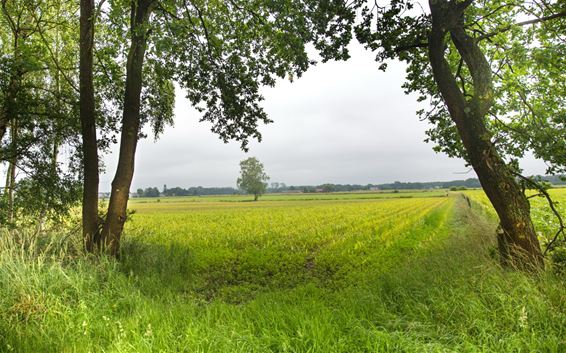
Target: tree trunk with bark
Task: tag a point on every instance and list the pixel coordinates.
(9, 114)
(8, 109)
(88, 128)
(119, 196)
(518, 242)
(11, 177)
(4, 122)
(3, 127)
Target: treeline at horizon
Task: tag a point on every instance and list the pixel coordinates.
(276, 187)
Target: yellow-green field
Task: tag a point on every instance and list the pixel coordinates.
(544, 219)
(286, 242)
(368, 272)
(135, 202)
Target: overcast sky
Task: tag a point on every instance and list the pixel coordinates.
(342, 122)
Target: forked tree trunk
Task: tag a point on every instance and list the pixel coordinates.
(88, 128)
(119, 196)
(518, 242)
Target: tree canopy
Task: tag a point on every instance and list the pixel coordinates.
(486, 74)
(525, 46)
(253, 178)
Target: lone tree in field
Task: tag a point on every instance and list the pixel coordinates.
(493, 72)
(253, 178)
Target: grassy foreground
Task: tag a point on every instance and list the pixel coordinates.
(351, 275)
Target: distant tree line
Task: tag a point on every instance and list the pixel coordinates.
(192, 191)
(148, 192)
(553, 179)
(276, 187)
(468, 183)
(397, 185)
(199, 190)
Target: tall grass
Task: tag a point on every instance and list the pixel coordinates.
(425, 285)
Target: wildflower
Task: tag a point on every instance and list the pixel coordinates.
(121, 331)
(148, 331)
(523, 318)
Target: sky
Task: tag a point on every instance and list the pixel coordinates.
(341, 122)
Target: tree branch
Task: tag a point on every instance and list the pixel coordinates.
(524, 23)
(52, 55)
(465, 4)
(552, 205)
(402, 48)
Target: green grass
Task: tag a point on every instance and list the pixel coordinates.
(346, 275)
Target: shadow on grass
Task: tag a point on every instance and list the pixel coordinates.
(235, 278)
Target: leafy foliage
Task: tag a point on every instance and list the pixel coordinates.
(527, 60)
(38, 104)
(224, 51)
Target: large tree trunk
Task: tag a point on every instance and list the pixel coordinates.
(3, 127)
(11, 177)
(88, 128)
(130, 128)
(8, 109)
(518, 243)
(9, 117)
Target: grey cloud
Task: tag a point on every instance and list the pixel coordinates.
(342, 122)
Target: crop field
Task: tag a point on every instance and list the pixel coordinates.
(232, 246)
(375, 272)
(294, 197)
(545, 221)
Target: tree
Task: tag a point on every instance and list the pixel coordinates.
(253, 178)
(151, 192)
(88, 127)
(496, 87)
(116, 216)
(38, 107)
(328, 187)
(221, 53)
